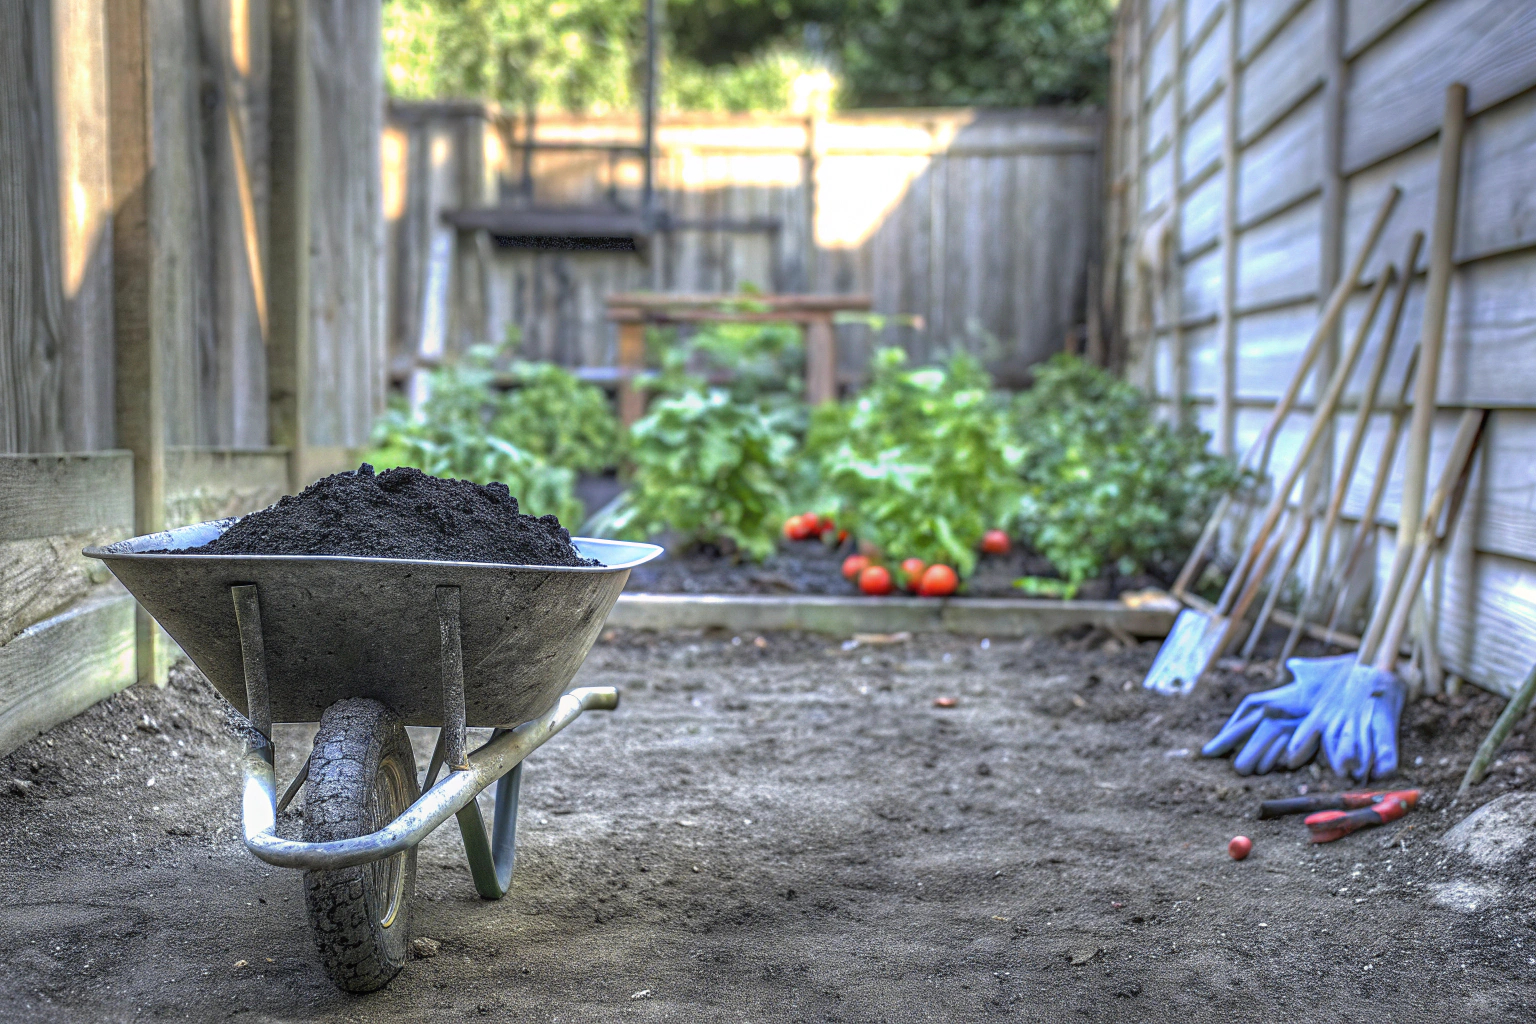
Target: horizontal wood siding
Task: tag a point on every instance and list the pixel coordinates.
(1399, 55)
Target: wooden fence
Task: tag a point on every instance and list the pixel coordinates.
(1250, 143)
(191, 298)
(977, 226)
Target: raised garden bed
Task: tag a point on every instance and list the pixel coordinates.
(802, 587)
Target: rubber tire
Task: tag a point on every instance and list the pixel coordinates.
(361, 744)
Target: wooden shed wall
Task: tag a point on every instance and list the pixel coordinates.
(979, 224)
(1335, 101)
(137, 203)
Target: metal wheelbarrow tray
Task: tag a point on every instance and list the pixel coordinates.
(366, 646)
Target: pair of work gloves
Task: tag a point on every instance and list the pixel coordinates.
(1348, 709)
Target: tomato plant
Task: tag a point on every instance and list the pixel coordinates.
(1105, 483)
(458, 432)
(920, 463)
(711, 470)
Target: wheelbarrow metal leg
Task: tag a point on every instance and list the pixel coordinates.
(486, 765)
(454, 754)
(491, 860)
(253, 655)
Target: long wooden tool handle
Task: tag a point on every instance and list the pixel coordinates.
(1322, 583)
(1265, 441)
(1322, 419)
(1452, 487)
(1385, 460)
(1362, 425)
(1431, 341)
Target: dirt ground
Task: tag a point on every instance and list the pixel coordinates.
(789, 830)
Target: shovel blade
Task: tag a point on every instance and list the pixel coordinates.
(1193, 644)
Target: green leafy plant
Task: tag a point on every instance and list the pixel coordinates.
(1105, 483)
(759, 363)
(922, 462)
(453, 434)
(711, 470)
(549, 412)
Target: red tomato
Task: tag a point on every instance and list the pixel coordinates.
(1240, 847)
(795, 529)
(875, 580)
(853, 565)
(826, 524)
(842, 535)
(995, 542)
(812, 523)
(912, 572)
(938, 581)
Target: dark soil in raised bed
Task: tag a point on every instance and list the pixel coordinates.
(400, 513)
(811, 567)
(786, 830)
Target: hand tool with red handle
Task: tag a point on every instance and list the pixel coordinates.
(1328, 802)
(1326, 826)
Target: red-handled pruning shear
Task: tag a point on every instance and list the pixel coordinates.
(1327, 826)
(1327, 802)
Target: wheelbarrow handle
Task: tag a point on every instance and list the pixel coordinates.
(486, 765)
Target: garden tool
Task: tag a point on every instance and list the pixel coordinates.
(1289, 562)
(1513, 712)
(1326, 826)
(1356, 716)
(1198, 637)
(1332, 802)
(1368, 397)
(1257, 456)
(1361, 710)
(1368, 526)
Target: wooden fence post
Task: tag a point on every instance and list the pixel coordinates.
(820, 360)
(631, 362)
(140, 321)
(289, 231)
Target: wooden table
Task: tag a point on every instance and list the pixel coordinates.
(633, 311)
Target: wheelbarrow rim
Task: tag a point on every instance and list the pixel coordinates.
(121, 550)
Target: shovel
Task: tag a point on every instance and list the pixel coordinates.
(1199, 636)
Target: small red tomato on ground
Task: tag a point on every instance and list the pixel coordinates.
(795, 529)
(842, 535)
(938, 581)
(912, 572)
(811, 521)
(1240, 847)
(853, 565)
(875, 580)
(996, 542)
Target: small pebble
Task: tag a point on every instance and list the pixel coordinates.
(945, 702)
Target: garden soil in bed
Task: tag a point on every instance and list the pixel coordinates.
(786, 830)
(811, 567)
(400, 513)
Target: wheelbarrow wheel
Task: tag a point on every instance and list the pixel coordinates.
(362, 774)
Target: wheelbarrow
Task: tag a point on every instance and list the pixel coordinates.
(367, 646)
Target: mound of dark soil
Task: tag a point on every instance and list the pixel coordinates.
(400, 513)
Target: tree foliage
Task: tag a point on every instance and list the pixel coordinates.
(751, 54)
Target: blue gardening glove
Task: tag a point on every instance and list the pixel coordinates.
(1266, 720)
(1355, 721)
(1363, 742)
